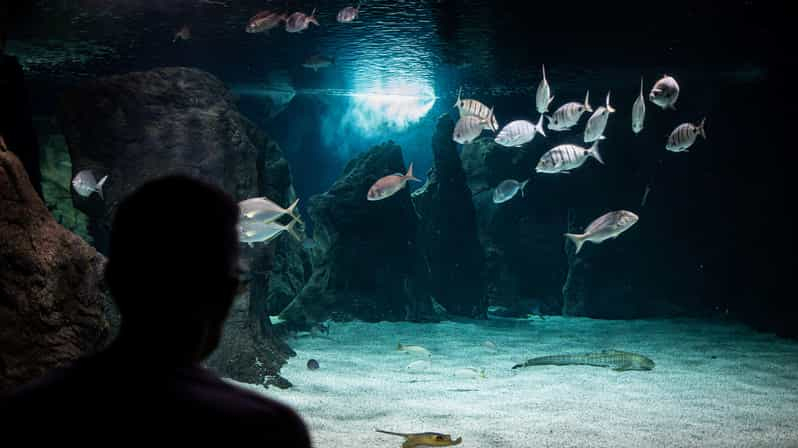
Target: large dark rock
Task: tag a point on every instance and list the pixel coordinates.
(52, 306)
(449, 229)
(367, 264)
(525, 265)
(144, 125)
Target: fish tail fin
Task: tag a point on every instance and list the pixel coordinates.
(409, 175)
(577, 239)
(550, 100)
(459, 91)
(291, 210)
(389, 432)
(543, 67)
(670, 106)
(290, 229)
(701, 128)
(593, 151)
(102, 182)
(523, 187)
(539, 126)
(609, 108)
(587, 102)
(641, 86)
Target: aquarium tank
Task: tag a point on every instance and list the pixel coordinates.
(477, 223)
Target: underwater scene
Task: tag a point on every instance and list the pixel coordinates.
(476, 223)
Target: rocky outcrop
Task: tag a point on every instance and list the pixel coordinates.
(522, 238)
(367, 264)
(449, 230)
(52, 306)
(144, 125)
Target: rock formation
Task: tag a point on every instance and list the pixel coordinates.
(449, 237)
(140, 126)
(52, 306)
(367, 264)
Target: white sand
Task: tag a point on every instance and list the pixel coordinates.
(714, 384)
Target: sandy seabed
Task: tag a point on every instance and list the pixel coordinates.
(715, 384)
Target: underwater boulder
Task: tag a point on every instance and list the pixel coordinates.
(143, 125)
(53, 308)
(448, 235)
(367, 264)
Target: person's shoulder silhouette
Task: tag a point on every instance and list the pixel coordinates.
(173, 273)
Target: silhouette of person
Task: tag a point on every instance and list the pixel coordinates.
(173, 273)
(16, 121)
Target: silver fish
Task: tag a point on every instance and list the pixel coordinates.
(348, 14)
(639, 111)
(519, 132)
(507, 189)
(318, 61)
(665, 93)
(265, 210)
(568, 114)
(264, 21)
(469, 107)
(684, 136)
(470, 127)
(258, 231)
(543, 95)
(298, 22)
(594, 130)
(563, 158)
(606, 226)
(85, 184)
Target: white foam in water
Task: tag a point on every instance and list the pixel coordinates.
(714, 385)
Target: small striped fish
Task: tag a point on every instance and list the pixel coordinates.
(470, 127)
(606, 226)
(563, 158)
(639, 111)
(684, 136)
(519, 132)
(543, 96)
(665, 93)
(598, 122)
(469, 107)
(568, 114)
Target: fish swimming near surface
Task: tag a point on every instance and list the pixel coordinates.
(251, 232)
(183, 33)
(684, 136)
(469, 127)
(563, 158)
(567, 115)
(85, 184)
(424, 439)
(264, 21)
(265, 210)
(298, 22)
(606, 226)
(519, 132)
(614, 359)
(639, 111)
(594, 130)
(469, 107)
(507, 189)
(414, 349)
(665, 93)
(348, 14)
(318, 61)
(543, 95)
(389, 185)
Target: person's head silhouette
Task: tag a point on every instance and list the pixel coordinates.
(172, 268)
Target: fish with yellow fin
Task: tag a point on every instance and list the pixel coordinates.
(425, 439)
